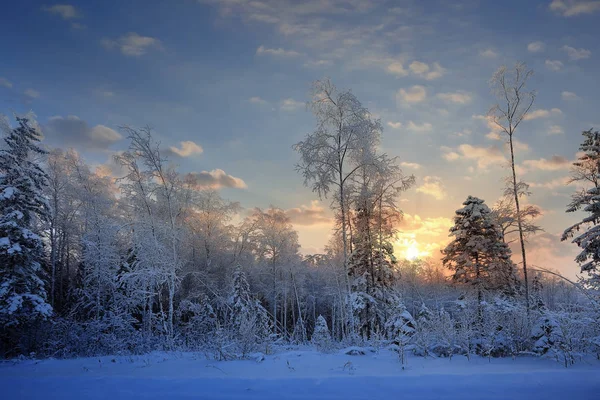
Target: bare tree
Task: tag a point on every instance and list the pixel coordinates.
(514, 102)
(505, 214)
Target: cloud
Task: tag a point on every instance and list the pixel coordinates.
(215, 179)
(396, 68)
(423, 70)
(188, 148)
(75, 132)
(410, 165)
(569, 96)
(262, 50)
(554, 65)
(572, 8)
(556, 130)
(5, 83)
(577, 54)
(459, 97)
(65, 11)
(541, 113)
(552, 184)
(422, 128)
(32, 94)
(132, 44)
(536, 47)
(428, 235)
(488, 53)
(432, 185)
(484, 156)
(315, 214)
(318, 63)
(415, 94)
(291, 105)
(394, 125)
(257, 100)
(554, 163)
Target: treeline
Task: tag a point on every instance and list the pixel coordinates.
(93, 265)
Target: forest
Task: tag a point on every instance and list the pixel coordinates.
(96, 264)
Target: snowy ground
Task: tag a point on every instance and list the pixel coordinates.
(298, 375)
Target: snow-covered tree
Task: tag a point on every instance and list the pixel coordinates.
(477, 255)
(248, 320)
(344, 138)
(321, 338)
(586, 171)
(22, 206)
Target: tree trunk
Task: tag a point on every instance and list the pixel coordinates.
(519, 221)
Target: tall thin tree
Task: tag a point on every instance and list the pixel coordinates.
(514, 102)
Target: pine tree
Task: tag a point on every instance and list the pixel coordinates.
(477, 255)
(586, 170)
(22, 205)
(321, 337)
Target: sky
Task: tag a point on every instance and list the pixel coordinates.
(223, 84)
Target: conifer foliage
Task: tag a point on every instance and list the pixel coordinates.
(22, 207)
(477, 255)
(586, 170)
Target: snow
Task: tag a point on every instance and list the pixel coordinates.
(298, 374)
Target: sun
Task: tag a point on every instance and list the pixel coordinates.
(412, 253)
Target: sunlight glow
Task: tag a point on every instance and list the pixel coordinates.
(412, 253)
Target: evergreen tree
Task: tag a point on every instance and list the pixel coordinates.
(477, 255)
(586, 170)
(321, 337)
(22, 205)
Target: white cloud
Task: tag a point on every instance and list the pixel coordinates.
(484, 156)
(279, 52)
(423, 70)
(433, 186)
(215, 179)
(459, 97)
(318, 63)
(552, 184)
(556, 130)
(536, 47)
(257, 100)
(410, 165)
(31, 93)
(394, 125)
(291, 105)
(488, 53)
(422, 128)
(577, 54)
(76, 132)
(554, 163)
(132, 44)
(569, 96)
(541, 113)
(65, 11)
(396, 68)
(5, 83)
(415, 94)
(315, 214)
(554, 65)
(571, 8)
(187, 149)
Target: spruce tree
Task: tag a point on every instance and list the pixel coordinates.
(321, 338)
(477, 255)
(586, 171)
(22, 207)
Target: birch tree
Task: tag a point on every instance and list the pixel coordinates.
(514, 102)
(345, 136)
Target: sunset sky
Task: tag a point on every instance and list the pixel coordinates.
(224, 85)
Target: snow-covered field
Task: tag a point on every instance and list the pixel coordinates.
(299, 374)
